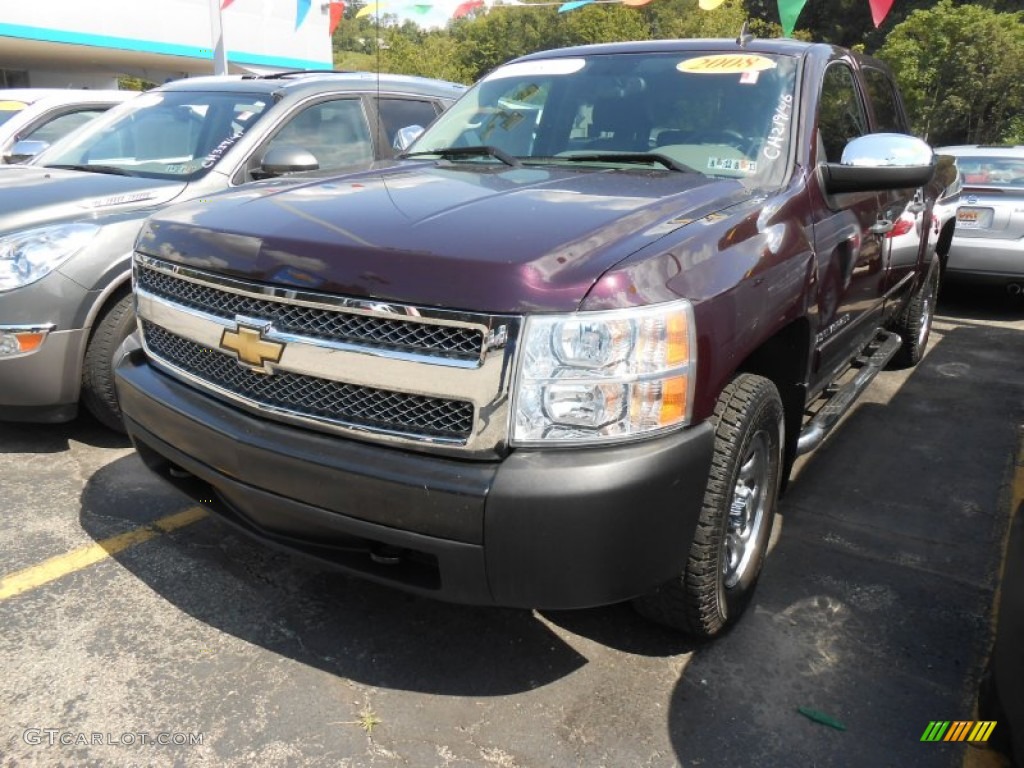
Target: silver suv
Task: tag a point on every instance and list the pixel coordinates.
(69, 218)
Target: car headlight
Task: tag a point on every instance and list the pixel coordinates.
(32, 254)
(595, 377)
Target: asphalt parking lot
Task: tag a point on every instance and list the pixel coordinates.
(130, 618)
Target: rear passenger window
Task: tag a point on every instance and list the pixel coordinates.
(883, 98)
(841, 115)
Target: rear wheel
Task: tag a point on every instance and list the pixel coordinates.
(736, 518)
(914, 322)
(112, 327)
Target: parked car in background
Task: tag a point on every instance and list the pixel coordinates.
(69, 218)
(43, 115)
(988, 242)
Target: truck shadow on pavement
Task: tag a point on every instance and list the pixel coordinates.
(874, 607)
(344, 626)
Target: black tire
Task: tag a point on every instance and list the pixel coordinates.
(716, 585)
(914, 322)
(112, 327)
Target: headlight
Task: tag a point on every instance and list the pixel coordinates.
(32, 254)
(593, 377)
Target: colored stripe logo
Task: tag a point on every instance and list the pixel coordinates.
(958, 730)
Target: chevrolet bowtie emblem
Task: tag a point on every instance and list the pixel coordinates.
(251, 349)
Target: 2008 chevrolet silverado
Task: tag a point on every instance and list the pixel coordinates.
(565, 351)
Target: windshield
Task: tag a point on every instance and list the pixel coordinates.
(172, 135)
(9, 109)
(997, 171)
(723, 115)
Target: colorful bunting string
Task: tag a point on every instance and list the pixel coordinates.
(789, 10)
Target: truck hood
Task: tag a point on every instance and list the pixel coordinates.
(457, 236)
(35, 196)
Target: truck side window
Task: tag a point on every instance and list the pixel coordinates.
(841, 115)
(889, 117)
(399, 113)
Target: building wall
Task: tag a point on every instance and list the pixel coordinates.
(42, 78)
(280, 34)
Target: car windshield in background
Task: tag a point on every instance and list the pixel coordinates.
(994, 171)
(9, 109)
(725, 115)
(160, 135)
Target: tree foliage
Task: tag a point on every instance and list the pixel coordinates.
(961, 66)
(961, 70)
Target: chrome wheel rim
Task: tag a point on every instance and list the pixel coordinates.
(746, 514)
(927, 310)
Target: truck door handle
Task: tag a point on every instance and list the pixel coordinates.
(882, 227)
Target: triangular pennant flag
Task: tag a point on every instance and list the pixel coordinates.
(370, 8)
(466, 8)
(420, 9)
(337, 12)
(789, 12)
(225, 4)
(709, 5)
(573, 5)
(301, 9)
(879, 10)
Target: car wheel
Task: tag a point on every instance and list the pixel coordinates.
(736, 517)
(914, 322)
(98, 394)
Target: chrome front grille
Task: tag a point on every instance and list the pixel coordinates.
(315, 397)
(386, 333)
(436, 380)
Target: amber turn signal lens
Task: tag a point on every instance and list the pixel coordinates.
(673, 401)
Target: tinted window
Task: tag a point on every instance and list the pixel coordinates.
(9, 109)
(996, 171)
(335, 132)
(399, 113)
(841, 114)
(885, 103)
(63, 125)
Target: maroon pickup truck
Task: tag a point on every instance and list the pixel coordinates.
(565, 350)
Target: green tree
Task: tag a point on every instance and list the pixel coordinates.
(961, 70)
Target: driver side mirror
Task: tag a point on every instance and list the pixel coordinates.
(881, 161)
(24, 150)
(406, 136)
(284, 159)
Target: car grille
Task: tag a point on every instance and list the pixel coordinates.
(314, 397)
(331, 325)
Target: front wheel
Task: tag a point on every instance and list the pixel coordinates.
(114, 325)
(736, 518)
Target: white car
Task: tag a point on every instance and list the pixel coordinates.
(988, 242)
(43, 115)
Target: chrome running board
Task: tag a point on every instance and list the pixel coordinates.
(874, 358)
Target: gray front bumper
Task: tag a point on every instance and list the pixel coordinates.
(44, 385)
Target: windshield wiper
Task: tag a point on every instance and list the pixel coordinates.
(628, 157)
(111, 169)
(481, 150)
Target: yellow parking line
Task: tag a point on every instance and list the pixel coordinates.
(56, 567)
